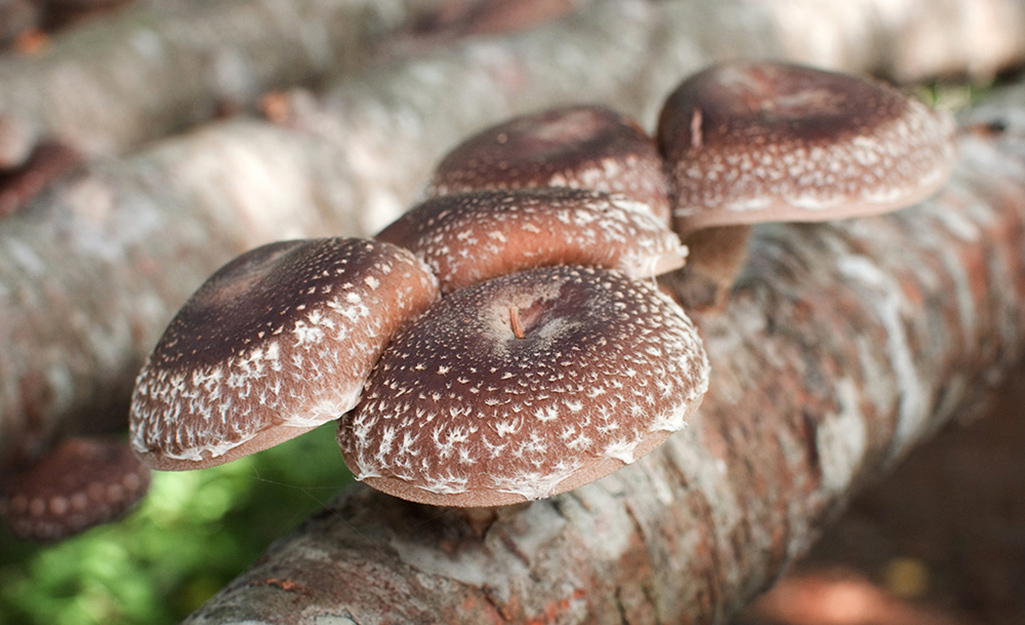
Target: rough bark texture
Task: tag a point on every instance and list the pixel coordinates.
(90, 274)
(953, 509)
(844, 344)
(148, 70)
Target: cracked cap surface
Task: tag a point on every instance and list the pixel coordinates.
(475, 405)
(749, 141)
(472, 237)
(582, 147)
(275, 343)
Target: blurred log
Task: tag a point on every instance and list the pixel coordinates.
(91, 273)
(149, 70)
(843, 346)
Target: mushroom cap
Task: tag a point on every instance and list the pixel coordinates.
(752, 141)
(464, 410)
(472, 237)
(583, 147)
(78, 484)
(275, 343)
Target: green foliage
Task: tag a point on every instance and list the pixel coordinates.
(950, 96)
(194, 532)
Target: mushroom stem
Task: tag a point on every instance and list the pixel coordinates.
(715, 259)
(481, 519)
(514, 321)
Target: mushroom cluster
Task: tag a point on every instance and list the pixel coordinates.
(549, 360)
(505, 339)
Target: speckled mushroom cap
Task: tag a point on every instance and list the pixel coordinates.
(78, 484)
(277, 342)
(471, 237)
(583, 147)
(748, 142)
(525, 386)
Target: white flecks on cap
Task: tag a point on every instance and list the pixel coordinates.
(278, 341)
(581, 147)
(80, 483)
(605, 370)
(471, 237)
(787, 143)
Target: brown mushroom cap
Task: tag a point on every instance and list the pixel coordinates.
(525, 386)
(748, 142)
(583, 147)
(472, 237)
(277, 342)
(78, 484)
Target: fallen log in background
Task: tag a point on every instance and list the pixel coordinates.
(150, 70)
(90, 274)
(844, 345)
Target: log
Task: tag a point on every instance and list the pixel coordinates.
(843, 345)
(944, 511)
(146, 71)
(124, 244)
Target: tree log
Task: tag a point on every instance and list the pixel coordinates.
(842, 346)
(146, 71)
(91, 273)
(125, 244)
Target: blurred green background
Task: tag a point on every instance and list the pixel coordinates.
(193, 533)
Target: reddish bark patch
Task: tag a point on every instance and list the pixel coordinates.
(47, 163)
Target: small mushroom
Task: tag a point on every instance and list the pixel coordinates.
(583, 147)
(747, 142)
(525, 386)
(17, 17)
(59, 14)
(48, 162)
(80, 483)
(471, 237)
(275, 343)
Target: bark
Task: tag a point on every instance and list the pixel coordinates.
(844, 345)
(148, 70)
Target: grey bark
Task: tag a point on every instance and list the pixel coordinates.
(145, 71)
(844, 344)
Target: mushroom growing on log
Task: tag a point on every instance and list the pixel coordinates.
(747, 142)
(851, 343)
(470, 237)
(582, 147)
(525, 386)
(79, 483)
(459, 408)
(277, 342)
